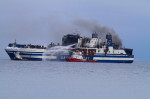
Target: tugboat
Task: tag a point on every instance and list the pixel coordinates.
(77, 57)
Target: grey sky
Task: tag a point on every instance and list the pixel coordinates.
(41, 21)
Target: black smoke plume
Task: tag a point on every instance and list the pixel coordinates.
(94, 26)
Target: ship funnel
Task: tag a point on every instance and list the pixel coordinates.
(94, 35)
(109, 39)
(109, 36)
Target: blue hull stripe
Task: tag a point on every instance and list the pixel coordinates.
(115, 61)
(100, 61)
(85, 56)
(110, 54)
(116, 56)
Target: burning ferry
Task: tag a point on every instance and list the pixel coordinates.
(74, 48)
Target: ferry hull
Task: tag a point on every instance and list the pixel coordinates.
(39, 56)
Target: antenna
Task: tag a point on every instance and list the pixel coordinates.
(15, 42)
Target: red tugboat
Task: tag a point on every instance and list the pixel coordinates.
(77, 57)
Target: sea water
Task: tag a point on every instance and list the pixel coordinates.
(71, 80)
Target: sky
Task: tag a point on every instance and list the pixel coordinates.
(45, 21)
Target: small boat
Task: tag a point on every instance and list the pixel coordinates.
(77, 57)
(70, 59)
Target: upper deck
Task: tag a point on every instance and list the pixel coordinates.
(26, 46)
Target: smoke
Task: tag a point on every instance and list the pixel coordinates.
(52, 28)
(94, 26)
(59, 28)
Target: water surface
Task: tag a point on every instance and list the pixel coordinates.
(67, 80)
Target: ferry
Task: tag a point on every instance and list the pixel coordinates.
(90, 49)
